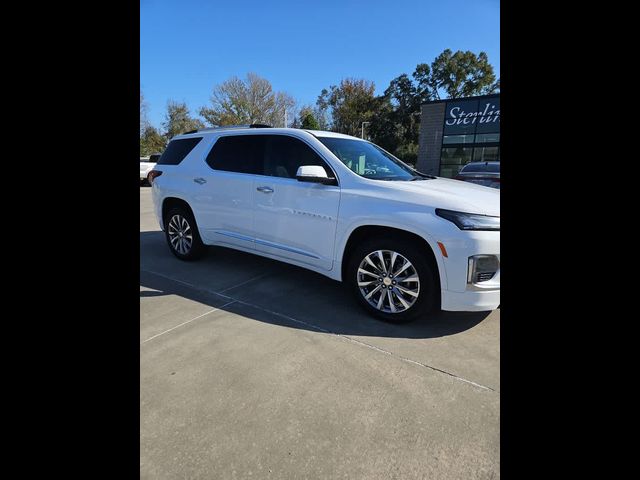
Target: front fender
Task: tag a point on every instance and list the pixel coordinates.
(422, 224)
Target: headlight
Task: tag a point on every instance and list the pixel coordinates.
(470, 221)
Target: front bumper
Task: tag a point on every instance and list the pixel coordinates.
(457, 294)
(470, 301)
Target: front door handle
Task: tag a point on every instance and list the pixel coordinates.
(200, 180)
(265, 189)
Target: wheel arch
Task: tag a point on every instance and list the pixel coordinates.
(361, 232)
(170, 202)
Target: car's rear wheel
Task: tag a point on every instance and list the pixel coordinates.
(182, 234)
(392, 279)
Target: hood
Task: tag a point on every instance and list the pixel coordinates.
(450, 194)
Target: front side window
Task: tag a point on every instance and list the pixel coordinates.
(283, 156)
(368, 160)
(177, 150)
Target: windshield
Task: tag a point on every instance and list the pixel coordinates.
(368, 160)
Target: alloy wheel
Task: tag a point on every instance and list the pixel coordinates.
(388, 281)
(180, 234)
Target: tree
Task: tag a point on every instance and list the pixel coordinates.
(307, 119)
(253, 100)
(405, 97)
(383, 129)
(462, 74)
(349, 104)
(143, 113)
(394, 115)
(178, 120)
(395, 125)
(151, 141)
(396, 122)
(422, 87)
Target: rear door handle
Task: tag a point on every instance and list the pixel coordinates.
(200, 180)
(265, 189)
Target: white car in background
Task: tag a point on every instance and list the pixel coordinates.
(147, 164)
(404, 242)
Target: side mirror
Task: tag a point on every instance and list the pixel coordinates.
(313, 174)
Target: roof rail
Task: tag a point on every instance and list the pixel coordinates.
(227, 127)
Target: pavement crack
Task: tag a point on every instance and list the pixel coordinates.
(315, 327)
(188, 321)
(408, 360)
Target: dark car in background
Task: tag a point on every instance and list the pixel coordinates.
(481, 173)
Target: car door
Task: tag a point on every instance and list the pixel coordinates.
(292, 219)
(223, 190)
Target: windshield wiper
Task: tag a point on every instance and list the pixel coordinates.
(422, 176)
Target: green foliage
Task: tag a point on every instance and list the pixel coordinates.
(178, 120)
(394, 116)
(350, 103)
(143, 113)
(238, 102)
(308, 119)
(408, 152)
(151, 141)
(462, 74)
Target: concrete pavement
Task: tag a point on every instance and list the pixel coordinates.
(250, 368)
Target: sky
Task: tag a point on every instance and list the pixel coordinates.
(187, 47)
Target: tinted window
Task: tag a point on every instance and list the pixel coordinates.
(488, 138)
(448, 139)
(485, 154)
(239, 153)
(154, 157)
(482, 167)
(177, 150)
(283, 156)
(453, 159)
(368, 160)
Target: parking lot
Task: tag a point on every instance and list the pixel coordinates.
(250, 368)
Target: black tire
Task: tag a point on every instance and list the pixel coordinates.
(429, 290)
(197, 248)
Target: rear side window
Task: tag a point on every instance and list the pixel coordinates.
(283, 156)
(177, 150)
(240, 153)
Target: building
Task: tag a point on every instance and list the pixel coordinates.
(455, 132)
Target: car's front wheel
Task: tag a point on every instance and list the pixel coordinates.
(392, 279)
(182, 234)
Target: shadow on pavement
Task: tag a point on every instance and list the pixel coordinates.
(282, 295)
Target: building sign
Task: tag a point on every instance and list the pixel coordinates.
(457, 115)
(472, 116)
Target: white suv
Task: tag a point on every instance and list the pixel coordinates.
(404, 242)
(146, 165)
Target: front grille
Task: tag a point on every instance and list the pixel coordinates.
(484, 277)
